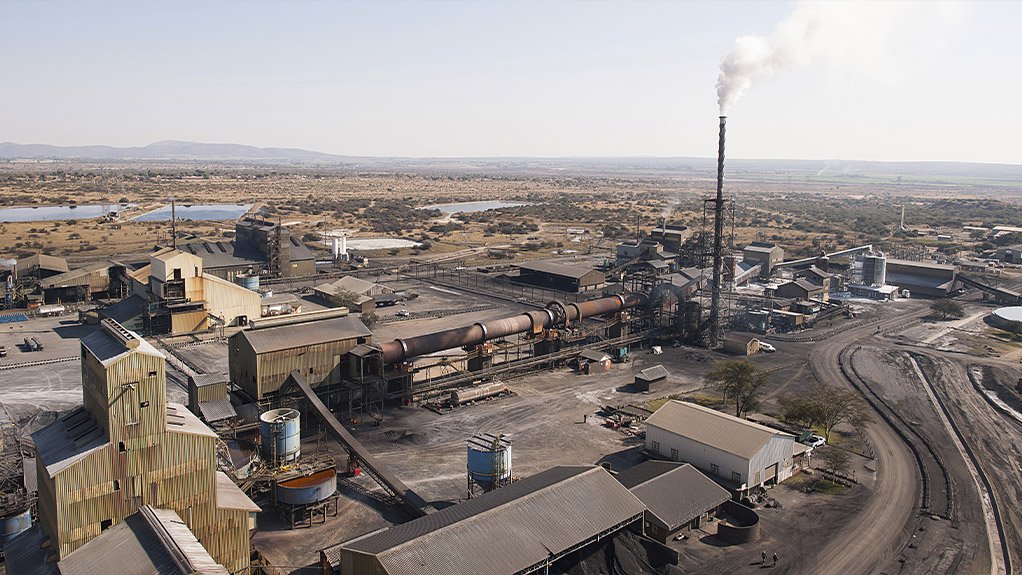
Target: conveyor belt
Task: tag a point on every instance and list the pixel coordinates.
(370, 464)
(1003, 294)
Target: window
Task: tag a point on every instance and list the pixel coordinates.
(144, 404)
(714, 469)
(117, 485)
(736, 477)
(152, 374)
(120, 446)
(105, 524)
(656, 447)
(674, 454)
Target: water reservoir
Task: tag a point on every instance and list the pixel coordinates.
(489, 460)
(280, 434)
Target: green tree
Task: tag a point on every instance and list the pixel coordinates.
(739, 381)
(837, 460)
(944, 309)
(825, 406)
(345, 298)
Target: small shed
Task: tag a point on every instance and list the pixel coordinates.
(646, 378)
(592, 361)
(737, 344)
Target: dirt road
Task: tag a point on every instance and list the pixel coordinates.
(873, 538)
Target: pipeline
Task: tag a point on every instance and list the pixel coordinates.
(556, 314)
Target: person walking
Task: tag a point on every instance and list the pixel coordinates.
(764, 558)
(775, 560)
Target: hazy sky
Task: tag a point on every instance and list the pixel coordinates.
(508, 78)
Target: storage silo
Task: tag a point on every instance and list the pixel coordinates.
(489, 461)
(247, 281)
(874, 269)
(281, 436)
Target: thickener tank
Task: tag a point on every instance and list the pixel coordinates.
(309, 489)
(281, 436)
(874, 269)
(489, 460)
(247, 281)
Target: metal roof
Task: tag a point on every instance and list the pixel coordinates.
(713, 428)
(43, 261)
(760, 247)
(230, 496)
(304, 334)
(278, 299)
(350, 283)
(654, 373)
(126, 309)
(76, 277)
(108, 349)
(217, 410)
(555, 268)
(149, 542)
(593, 355)
(507, 530)
(180, 420)
(806, 285)
(222, 254)
(67, 440)
(675, 493)
(207, 379)
(25, 555)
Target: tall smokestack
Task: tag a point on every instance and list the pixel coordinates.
(173, 224)
(718, 241)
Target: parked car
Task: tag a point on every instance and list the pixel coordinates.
(403, 313)
(764, 346)
(815, 441)
(3, 351)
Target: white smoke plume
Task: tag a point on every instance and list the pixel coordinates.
(877, 37)
(5, 263)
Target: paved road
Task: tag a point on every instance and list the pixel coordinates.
(873, 538)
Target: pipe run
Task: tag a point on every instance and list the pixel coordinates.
(556, 314)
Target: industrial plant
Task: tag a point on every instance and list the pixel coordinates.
(271, 404)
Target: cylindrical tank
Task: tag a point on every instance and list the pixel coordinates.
(281, 436)
(489, 460)
(874, 269)
(247, 281)
(461, 396)
(309, 489)
(14, 524)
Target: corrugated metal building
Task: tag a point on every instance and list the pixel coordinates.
(77, 285)
(738, 344)
(676, 496)
(261, 359)
(126, 448)
(922, 278)
(40, 266)
(740, 453)
(515, 529)
(558, 276)
(352, 284)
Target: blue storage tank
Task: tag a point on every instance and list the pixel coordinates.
(13, 525)
(247, 281)
(280, 431)
(489, 460)
(309, 489)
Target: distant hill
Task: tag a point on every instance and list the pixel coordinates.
(837, 171)
(165, 150)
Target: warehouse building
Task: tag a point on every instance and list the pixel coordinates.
(738, 344)
(40, 266)
(738, 453)
(80, 284)
(826, 280)
(766, 254)
(677, 497)
(650, 377)
(928, 279)
(800, 289)
(261, 359)
(522, 528)
(352, 284)
(557, 276)
(173, 295)
(127, 448)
